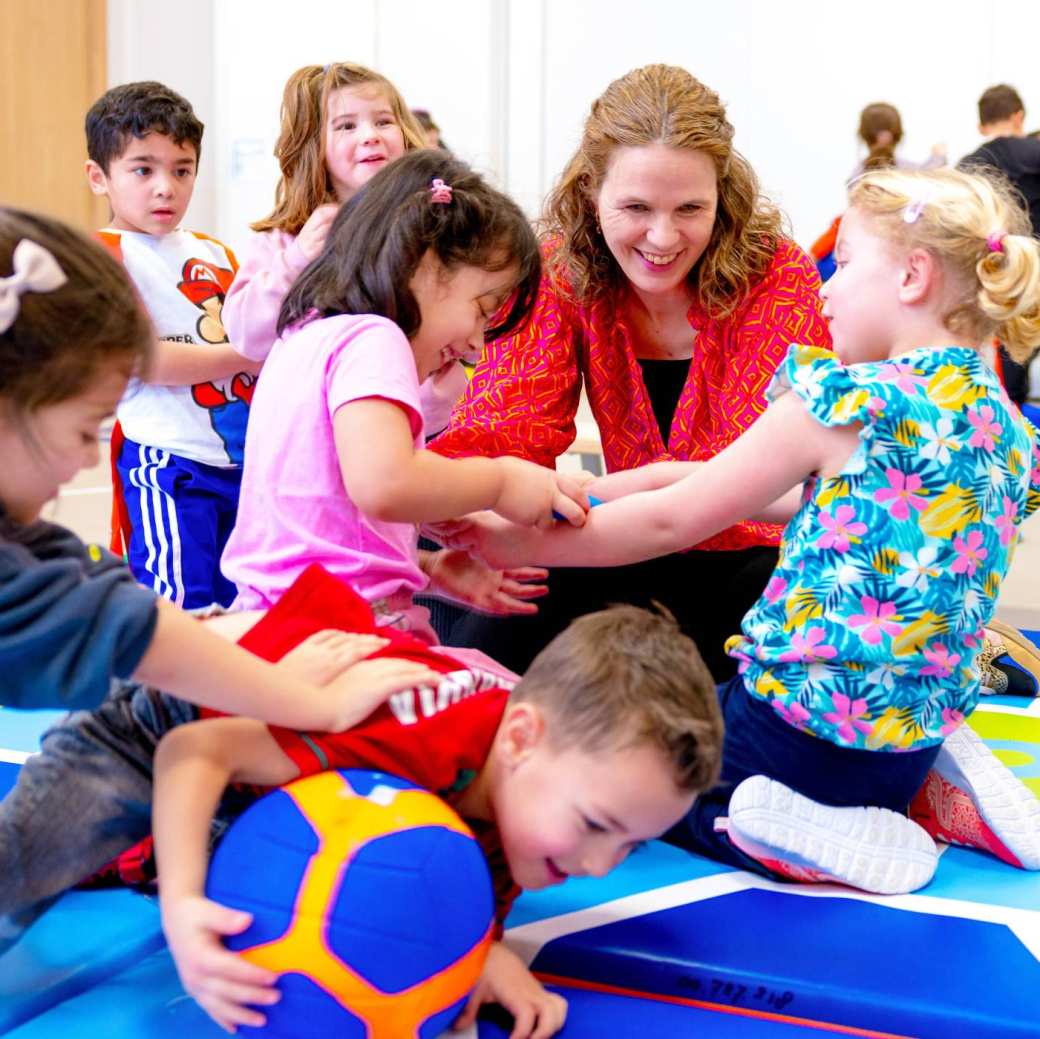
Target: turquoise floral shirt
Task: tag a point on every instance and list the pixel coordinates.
(868, 630)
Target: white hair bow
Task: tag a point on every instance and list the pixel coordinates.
(35, 270)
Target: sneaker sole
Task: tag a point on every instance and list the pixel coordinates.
(873, 849)
(1003, 802)
(1023, 652)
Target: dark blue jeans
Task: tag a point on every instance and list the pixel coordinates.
(758, 742)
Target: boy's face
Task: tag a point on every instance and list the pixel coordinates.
(568, 812)
(149, 185)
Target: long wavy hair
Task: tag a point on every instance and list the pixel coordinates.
(300, 148)
(661, 104)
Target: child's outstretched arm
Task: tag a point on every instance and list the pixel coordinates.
(390, 480)
(782, 449)
(195, 664)
(193, 765)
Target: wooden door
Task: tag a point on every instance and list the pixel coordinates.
(52, 69)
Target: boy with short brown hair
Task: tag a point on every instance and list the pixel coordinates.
(601, 746)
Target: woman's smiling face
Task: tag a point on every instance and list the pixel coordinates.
(656, 208)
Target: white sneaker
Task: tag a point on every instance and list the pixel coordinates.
(873, 849)
(972, 798)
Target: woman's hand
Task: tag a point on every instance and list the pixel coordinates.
(456, 575)
(311, 238)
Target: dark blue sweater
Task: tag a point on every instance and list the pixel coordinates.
(72, 618)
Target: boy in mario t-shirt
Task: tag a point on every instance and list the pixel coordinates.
(178, 446)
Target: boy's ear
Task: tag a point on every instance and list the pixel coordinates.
(522, 730)
(96, 178)
(919, 276)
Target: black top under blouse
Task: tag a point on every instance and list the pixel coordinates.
(664, 382)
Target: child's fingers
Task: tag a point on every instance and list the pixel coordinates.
(526, 573)
(523, 590)
(472, 1008)
(220, 964)
(212, 916)
(502, 605)
(229, 1015)
(235, 995)
(566, 507)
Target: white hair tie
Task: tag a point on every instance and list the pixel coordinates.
(35, 270)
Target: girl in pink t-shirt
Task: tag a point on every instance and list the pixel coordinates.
(341, 124)
(418, 270)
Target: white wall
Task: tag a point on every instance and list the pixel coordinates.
(510, 81)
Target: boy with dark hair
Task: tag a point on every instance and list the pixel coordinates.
(177, 449)
(1016, 155)
(602, 745)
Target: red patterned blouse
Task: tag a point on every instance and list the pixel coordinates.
(524, 393)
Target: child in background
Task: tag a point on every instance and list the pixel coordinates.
(431, 131)
(599, 747)
(341, 124)
(417, 269)
(881, 130)
(1016, 155)
(177, 451)
(859, 660)
(74, 624)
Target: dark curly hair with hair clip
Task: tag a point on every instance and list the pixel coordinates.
(380, 236)
(136, 110)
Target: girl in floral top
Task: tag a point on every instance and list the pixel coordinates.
(908, 472)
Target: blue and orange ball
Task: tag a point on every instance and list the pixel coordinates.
(371, 900)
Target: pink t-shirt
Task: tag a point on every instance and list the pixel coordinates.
(294, 509)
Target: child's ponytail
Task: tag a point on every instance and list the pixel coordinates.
(1009, 292)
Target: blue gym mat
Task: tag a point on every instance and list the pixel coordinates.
(668, 944)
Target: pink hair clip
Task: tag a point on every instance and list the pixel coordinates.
(440, 193)
(995, 241)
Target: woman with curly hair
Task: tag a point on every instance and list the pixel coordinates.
(671, 293)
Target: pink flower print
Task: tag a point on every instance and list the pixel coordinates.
(903, 374)
(848, 715)
(986, 430)
(952, 721)
(942, 661)
(1006, 522)
(904, 491)
(876, 406)
(776, 587)
(793, 713)
(840, 532)
(875, 619)
(809, 648)
(969, 553)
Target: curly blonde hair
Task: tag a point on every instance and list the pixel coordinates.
(661, 104)
(962, 217)
(300, 148)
